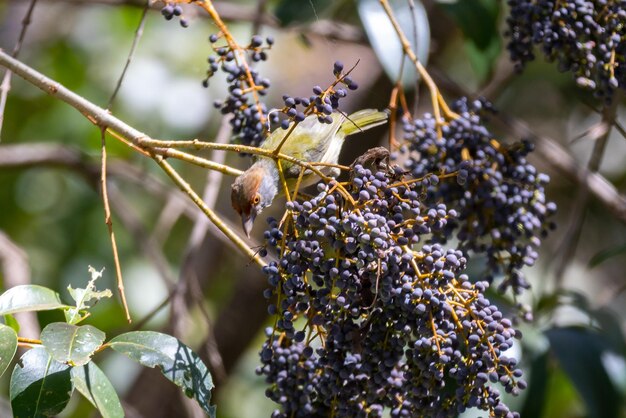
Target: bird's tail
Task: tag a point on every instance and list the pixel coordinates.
(363, 120)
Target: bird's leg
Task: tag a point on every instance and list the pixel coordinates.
(374, 155)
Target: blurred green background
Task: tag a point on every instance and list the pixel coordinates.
(573, 352)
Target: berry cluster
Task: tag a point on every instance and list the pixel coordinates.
(170, 10)
(366, 322)
(499, 196)
(323, 101)
(585, 37)
(245, 86)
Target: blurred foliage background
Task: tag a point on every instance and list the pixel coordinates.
(51, 212)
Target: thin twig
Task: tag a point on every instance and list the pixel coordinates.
(183, 156)
(131, 53)
(155, 144)
(211, 190)
(103, 118)
(31, 341)
(186, 188)
(239, 52)
(258, 19)
(103, 180)
(109, 223)
(577, 217)
(199, 161)
(436, 98)
(6, 81)
(132, 223)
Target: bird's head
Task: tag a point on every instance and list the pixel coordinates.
(252, 192)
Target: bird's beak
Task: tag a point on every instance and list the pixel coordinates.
(247, 221)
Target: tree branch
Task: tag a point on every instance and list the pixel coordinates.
(104, 119)
(62, 156)
(131, 53)
(577, 217)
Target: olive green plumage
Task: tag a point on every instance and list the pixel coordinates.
(310, 141)
(313, 141)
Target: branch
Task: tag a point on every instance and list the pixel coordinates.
(133, 224)
(577, 217)
(36, 154)
(436, 98)
(131, 53)
(109, 223)
(62, 156)
(104, 119)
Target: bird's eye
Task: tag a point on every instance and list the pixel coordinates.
(256, 199)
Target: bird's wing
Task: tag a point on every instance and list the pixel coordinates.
(363, 120)
(309, 141)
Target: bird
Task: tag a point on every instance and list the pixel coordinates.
(310, 141)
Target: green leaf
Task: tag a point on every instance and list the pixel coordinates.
(483, 60)
(177, 362)
(610, 325)
(477, 19)
(564, 297)
(579, 352)
(29, 297)
(10, 321)
(83, 297)
(8, 346)
(40, 386)
(93, 384)
(70, 343)
(534, 402)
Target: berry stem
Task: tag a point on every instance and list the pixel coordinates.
(436, 97)
(239, 53)
(186, 188)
